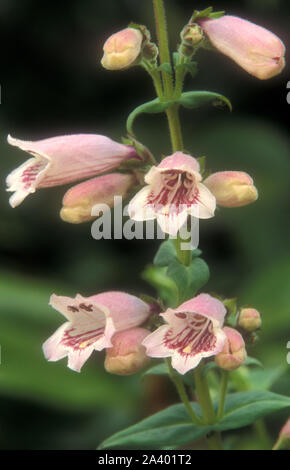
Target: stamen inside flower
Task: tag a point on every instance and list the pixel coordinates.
(196, 336)
(178, 188)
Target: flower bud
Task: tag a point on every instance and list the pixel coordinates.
(283, 441)
(127, 356)
(255, 49)
(192, 34)
(249, 319)
(122, 49)
(232, 188)
(234, 352)
(80, 199)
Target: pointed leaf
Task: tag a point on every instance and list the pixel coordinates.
(195, 99)
(151, 107)
(173, 426)
(166, 254)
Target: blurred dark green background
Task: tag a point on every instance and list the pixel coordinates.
(52, 83)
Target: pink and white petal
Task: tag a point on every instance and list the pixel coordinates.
(77, 358)
(126, 310)
(80, 309)
(207, 305)
(155, 345)
(184, 363)
(53, 348)
(138, 208)
(104, 341)
(153, 176)
(206, 202)
(180, 161)
(25, 179)
(172, 222)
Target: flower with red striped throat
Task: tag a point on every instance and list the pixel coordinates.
(193, 332)
(64, 159)
(92, 322)
(174, 191)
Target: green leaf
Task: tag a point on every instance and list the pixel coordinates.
(190, 67)
(189, 279)
(173, 426)
(264, 379)
(162, 369)
(169, 427)
(151, 107)
(158, 369)
(252, 361)
(244, 408)
(165, 286)
(166, 67)
(166, 254)
(195, 99)
(206, 13)
(217, 14)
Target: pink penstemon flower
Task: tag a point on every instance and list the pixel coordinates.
(64, 159)
(254, 48)
(193, 331)
(92, 322)
(174, 190)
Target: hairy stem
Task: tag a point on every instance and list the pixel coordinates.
(161, 29)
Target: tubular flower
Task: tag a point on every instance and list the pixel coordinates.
(234, 352)
(92, 322)
(193, 332)
(255, 49)
(79, 200)
(232, 188)
(122, 49)
(64, 159)
(174, 190)
(127, 356)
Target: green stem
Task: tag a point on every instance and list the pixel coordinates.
(175, 128)
(155, 75)
(208, 413)
(183, 256)
(223, 393)
(179, 385)
(161, 29)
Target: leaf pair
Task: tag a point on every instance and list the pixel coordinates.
(173, 426)
(189, 99)
(188, 279)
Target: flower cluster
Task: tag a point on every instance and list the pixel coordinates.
(171, 190)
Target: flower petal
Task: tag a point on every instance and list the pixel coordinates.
(206, 305)
(155, 343)
(206, 202)
(138, 208)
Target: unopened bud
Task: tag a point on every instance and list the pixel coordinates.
(234, 352)
(232, 188)
(80, 199)
(122, 49)
(249, 319)
(127, 356)
(192, 34)
(283, 441)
